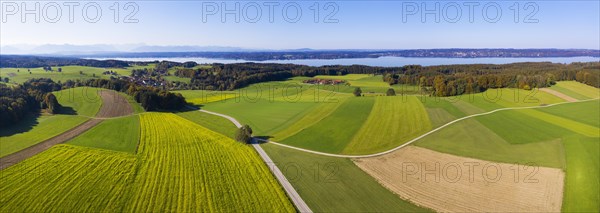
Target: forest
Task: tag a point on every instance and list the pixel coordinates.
(18, 61)
(34, 95)
(436, 80)
(17, 102)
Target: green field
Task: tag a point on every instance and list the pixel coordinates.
(582, 174)
(212, 122)
(391, 122)
(68, 73)
(330, 184)
(181, 158)
(35, 129)
(68, 178)
(264, 116)
(180, 166)
(470, 138)
(347, 77)
(120, 134)
(333, 133)
(576, 90)
(172, 78)
(84, 101)
(495, 99)
(557, 136)
(314, 116)
(137, 107)
(585, 112)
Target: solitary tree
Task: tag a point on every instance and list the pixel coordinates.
(52, 103)
(357, 92)
(390, 92)
(6, 80)
(244, 134)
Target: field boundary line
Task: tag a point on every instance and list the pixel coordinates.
(111, 118)
(301, 206)
(62, 137)
(423, 135)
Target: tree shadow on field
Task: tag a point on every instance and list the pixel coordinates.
(187, 108)
(22, 126)
(262, 139)
(67, 111)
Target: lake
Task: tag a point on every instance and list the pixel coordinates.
(381, 61)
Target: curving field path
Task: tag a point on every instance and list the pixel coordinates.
(113, 105)
(421, 136)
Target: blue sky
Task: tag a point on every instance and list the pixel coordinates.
(360, 25)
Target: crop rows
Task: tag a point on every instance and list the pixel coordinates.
(67, 178)
(180, 166)
(190, 168)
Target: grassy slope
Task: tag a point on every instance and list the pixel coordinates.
(470, 138)
(576, 90)
(121, 134)
(268, 107)
(212, 122)
(497, 98)
(344, 77)
(391, 122)
(581, 184)
(335, 184)
(265, 117)
(516, 127)
(333, 133)
(317, 114)
(68, 73)
(585, 112)
(83, 101)
(14, 139)
(552, 137)
(137, 107)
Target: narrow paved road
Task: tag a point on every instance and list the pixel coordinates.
(289, 189)
(421, 136)
(113, 105)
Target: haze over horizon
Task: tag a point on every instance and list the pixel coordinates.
(338, 25)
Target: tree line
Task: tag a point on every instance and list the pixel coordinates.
(18, 61)
(16, 102)
(436, 80)
(462, 79)
(150, 98)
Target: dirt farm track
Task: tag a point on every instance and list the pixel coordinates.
(113, 105)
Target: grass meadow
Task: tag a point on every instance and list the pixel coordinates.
(119, 134)
(330, 184)
(34, 129)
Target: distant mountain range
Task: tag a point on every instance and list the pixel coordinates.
(70, 49)
(141, 51)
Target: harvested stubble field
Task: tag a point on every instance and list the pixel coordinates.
(484, 187)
